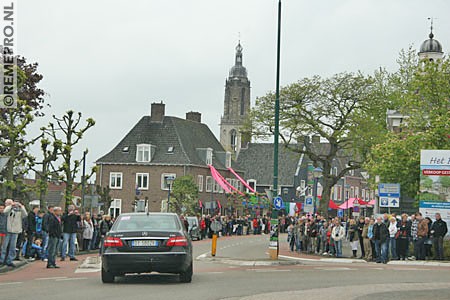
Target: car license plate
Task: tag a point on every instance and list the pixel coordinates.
(144, 243)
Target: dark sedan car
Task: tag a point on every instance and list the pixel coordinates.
(144, 243)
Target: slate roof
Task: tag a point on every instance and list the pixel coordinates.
(257, 162)
(185, 136)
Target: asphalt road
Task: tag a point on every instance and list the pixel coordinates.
(217, 280)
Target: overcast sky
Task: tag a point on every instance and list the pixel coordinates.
(111, 59)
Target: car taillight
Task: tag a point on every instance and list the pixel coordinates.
(177, 241)
(112, 242)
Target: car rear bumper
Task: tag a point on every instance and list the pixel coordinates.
(162, 262)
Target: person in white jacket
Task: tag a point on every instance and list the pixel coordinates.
(338, 234)
(88, 231)
(15, 212)
(393, 237)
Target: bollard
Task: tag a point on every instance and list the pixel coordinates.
(214, 244)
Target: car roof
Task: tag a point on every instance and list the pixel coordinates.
(150, 214)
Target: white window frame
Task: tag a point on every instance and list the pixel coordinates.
(363, 194)
(200, 183)
(143, 148)
(356, 192)
(352, 192)
(209, 156)
(209, 187)
(215, 187)
(142, 188)
(228, 160)
(254, 184)
(113, 176)
(115, 204)
(165, 187)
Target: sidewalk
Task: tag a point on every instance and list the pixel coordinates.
(286, 253)
(23, 263)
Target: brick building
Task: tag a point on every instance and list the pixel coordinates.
(159, 147)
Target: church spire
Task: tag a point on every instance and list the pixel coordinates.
(238, 70)
(238, 61)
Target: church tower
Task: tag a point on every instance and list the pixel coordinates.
(236, 106)
(431, 49)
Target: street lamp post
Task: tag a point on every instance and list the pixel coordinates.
(317, 173)
(347, 187)
(169, 180)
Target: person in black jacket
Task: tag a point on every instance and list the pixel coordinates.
(438, 231)
(54, 234)
(45, 219)
(31, 229)
(70, 226)
(380, 237)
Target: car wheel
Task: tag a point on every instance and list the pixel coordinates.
(107, 277)
(186, 276)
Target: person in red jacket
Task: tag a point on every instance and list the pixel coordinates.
(255, 226)
(202, 228)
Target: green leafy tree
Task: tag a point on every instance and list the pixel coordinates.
(346, 110)
(104, 194)
(445, 181)
(419, 91)
(68, 132)
(184, 194)
(14, 123)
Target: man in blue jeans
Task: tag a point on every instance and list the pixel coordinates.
(70, 225)
(15, 212)
(380, 238)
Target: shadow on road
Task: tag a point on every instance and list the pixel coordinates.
(165, 279)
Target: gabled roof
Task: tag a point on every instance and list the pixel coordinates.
(184, 136)
(257, 162)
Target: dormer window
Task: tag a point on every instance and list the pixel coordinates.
(143, 152)
(125, 149)
(228, 160)
(209, 156)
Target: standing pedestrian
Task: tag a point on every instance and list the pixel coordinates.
(380, 237)
(15, 212)
(3, 219)
(403, 236)
(422, 236)
(104, 227)
(353, 237)
(361, 225)
(31, 229)
(439, 230)
(54, 235)
(366, 240)
(338, 234)
(70, 226)
(88, 231)
(392, 237)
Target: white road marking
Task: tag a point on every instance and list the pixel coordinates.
(11, 283)
(69, 279)
(272, 270)
(87, 270)
(335, 269)
(213, 273)
(51, 278)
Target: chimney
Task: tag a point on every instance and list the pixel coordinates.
(194, 116)
(157, 112)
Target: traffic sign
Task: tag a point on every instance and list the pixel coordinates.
(309, 205)
(216, 226)
(389, 190)
(278, 202)
(340, 213)
(389, 202)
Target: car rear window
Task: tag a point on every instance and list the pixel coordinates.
(146, 222)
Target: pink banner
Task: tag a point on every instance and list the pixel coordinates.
(218, 179)
(223, 180)
(242, 180)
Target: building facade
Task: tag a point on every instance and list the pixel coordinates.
(157, 149)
